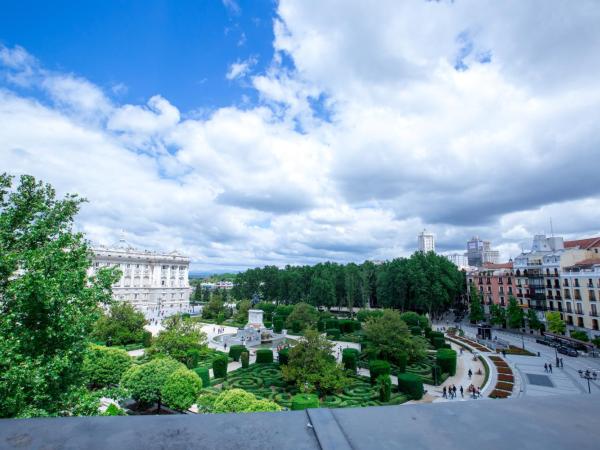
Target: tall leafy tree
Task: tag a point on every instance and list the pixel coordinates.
(48, 303)
(533, 320)
(555, 323)
(514, 314)
(497, 315)
(476, 310)
(122, 325)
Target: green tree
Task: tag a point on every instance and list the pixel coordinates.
(388, 337)
(514, 314)
(104, 366)
(322, 292)
(312, 367)
(534, 321)
(48, 303)
(497, 315)
(205, 295)
(180, 340)
(412, 319)
(121, 326)
(145, 382)
(303, 314)
(581, 335)
(181, 389)
(555, 323)
(214, 307)
(243, 307)
(475, 309)
(240, 401)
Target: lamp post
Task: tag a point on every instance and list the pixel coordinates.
(588, 375)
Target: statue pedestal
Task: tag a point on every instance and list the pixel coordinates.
(255, 318)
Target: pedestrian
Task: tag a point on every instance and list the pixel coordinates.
(550, 367)
(545, 367)
(453, 391)
(562, 364)
(461, 392)
(444, 392)
(557, 362)
(504, 353)
(470, 373)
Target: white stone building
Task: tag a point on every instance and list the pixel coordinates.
(148, 278)
(426, 242)
(459, 260)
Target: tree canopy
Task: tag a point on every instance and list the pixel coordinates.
(122, 325)
(179, 340)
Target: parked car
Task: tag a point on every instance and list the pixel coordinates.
(567, 351)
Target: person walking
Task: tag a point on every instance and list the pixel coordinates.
(470, 373)
(444, 392)
(562, 364)
(550, 367)
(454, 391)
(461, 392)
(545, 367)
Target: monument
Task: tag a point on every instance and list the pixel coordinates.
(255, 318)
(253, 334)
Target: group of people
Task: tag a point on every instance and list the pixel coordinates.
(548, 367)
(450, 392)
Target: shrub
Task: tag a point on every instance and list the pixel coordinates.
(581, 335)
(296, 326)
(235, 351)
(434, 334)
(385, 388)
(446, 359)
(436, 374)
(348, 325)
(181, 389)
(350, 358)
(204, 375)
(264, 356)
(284, 356)
(304, 401)
(596, 342)
(415, 331)
(411, 385)
(365, 314)
(333, 333)
(378, 368)
(401, 359)
(277, 324)
(245, 357)
(103, 366)
(219, 366)
(238, 400)
(438, 342)
(332, 324)
(321, 325)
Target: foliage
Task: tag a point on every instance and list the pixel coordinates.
(277, 324)
(219, 366)
(596, 341)
(387, 336)
(245, 358)
(350, 358)
(303, 314)
(534, 321)
(241, 316)
(333, 333)
(581, 335)
(304, 401)
(48, 303)
(206, 401)
(214, 307)
(144, 382)
(204, 375)
(410, 384)
(475, 308)
(104, 366)
(412, 319)
(284, 356)
(446, 359)
(235, 351)
(113, 410)
(378, 368)
(555, 323)
(239, 401)
(181, 340)
(264, 356)
(514, 314)
(181, 389)
(384, 384)
(121, 326)
(364, 314)
(497, 315)
(312, 367)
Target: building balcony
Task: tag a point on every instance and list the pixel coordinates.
(593, 313)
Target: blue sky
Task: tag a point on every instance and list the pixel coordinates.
(246, 133)
(180, 49)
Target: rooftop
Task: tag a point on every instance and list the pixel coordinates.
(584, 244)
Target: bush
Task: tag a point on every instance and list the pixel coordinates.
(434, 334)
(385, 388)
(235, 351)
(350, 358)
(596, 342)
(332, 324)
(284, 356)
(411, 385)
(365, 314)
(181, 389)
(296, 326)
(436, 374)
(245, 357)
(377, 368)
(581, 335)
(401, 360)
(304, 401)
(204, 375)
(145, 381)
(264, 356)
(333, 333)
(446, 359)
(438, 342)
(415, 331)
(321, 325)
(104, 366)
(219, 366)
(349, 326)
(277, 324)
(238, 400)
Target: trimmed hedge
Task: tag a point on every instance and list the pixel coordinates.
(434, 334)
(296, 326)
(350, 358)
(436, 374)
(321, 325)
(438, 342)
(304, 401)
(377, 368)
(411, 385)
(446, 359)
(333, 333)
(245, 358)
(219, 367)
(385, 388)
(349, 325)
(331, 324)
(284, 356)
(277, 324)
(235, 351)
(415, 331)
(401, 361)
(264, 356)
(204, 375)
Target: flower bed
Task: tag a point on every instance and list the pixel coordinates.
(474, 344)
(507, 378)
(496, 393)
(504, 386)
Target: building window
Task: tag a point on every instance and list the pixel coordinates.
(162, 282)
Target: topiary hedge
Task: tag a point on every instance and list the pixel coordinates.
(438, 342)
(284, 356)
(333, 333)
(204, 376)
(349, 326)
(350, 358)
(401, 361)
(235, 351)
(331, 324)
(377, 368)
(385, 388)
(245, 358)
(434, 334)
(415, 331)
(277, 324)
(446, 359)
(411, 385)
(264, 356)
(219, 366)
(304, 401)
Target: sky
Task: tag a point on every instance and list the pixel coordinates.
(247, 133)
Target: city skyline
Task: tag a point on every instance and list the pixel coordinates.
(262, 133)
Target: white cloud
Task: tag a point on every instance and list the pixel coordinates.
(240, 69)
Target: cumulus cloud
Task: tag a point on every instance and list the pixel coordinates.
(373, 122)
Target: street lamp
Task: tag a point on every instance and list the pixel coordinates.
(588, 375)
